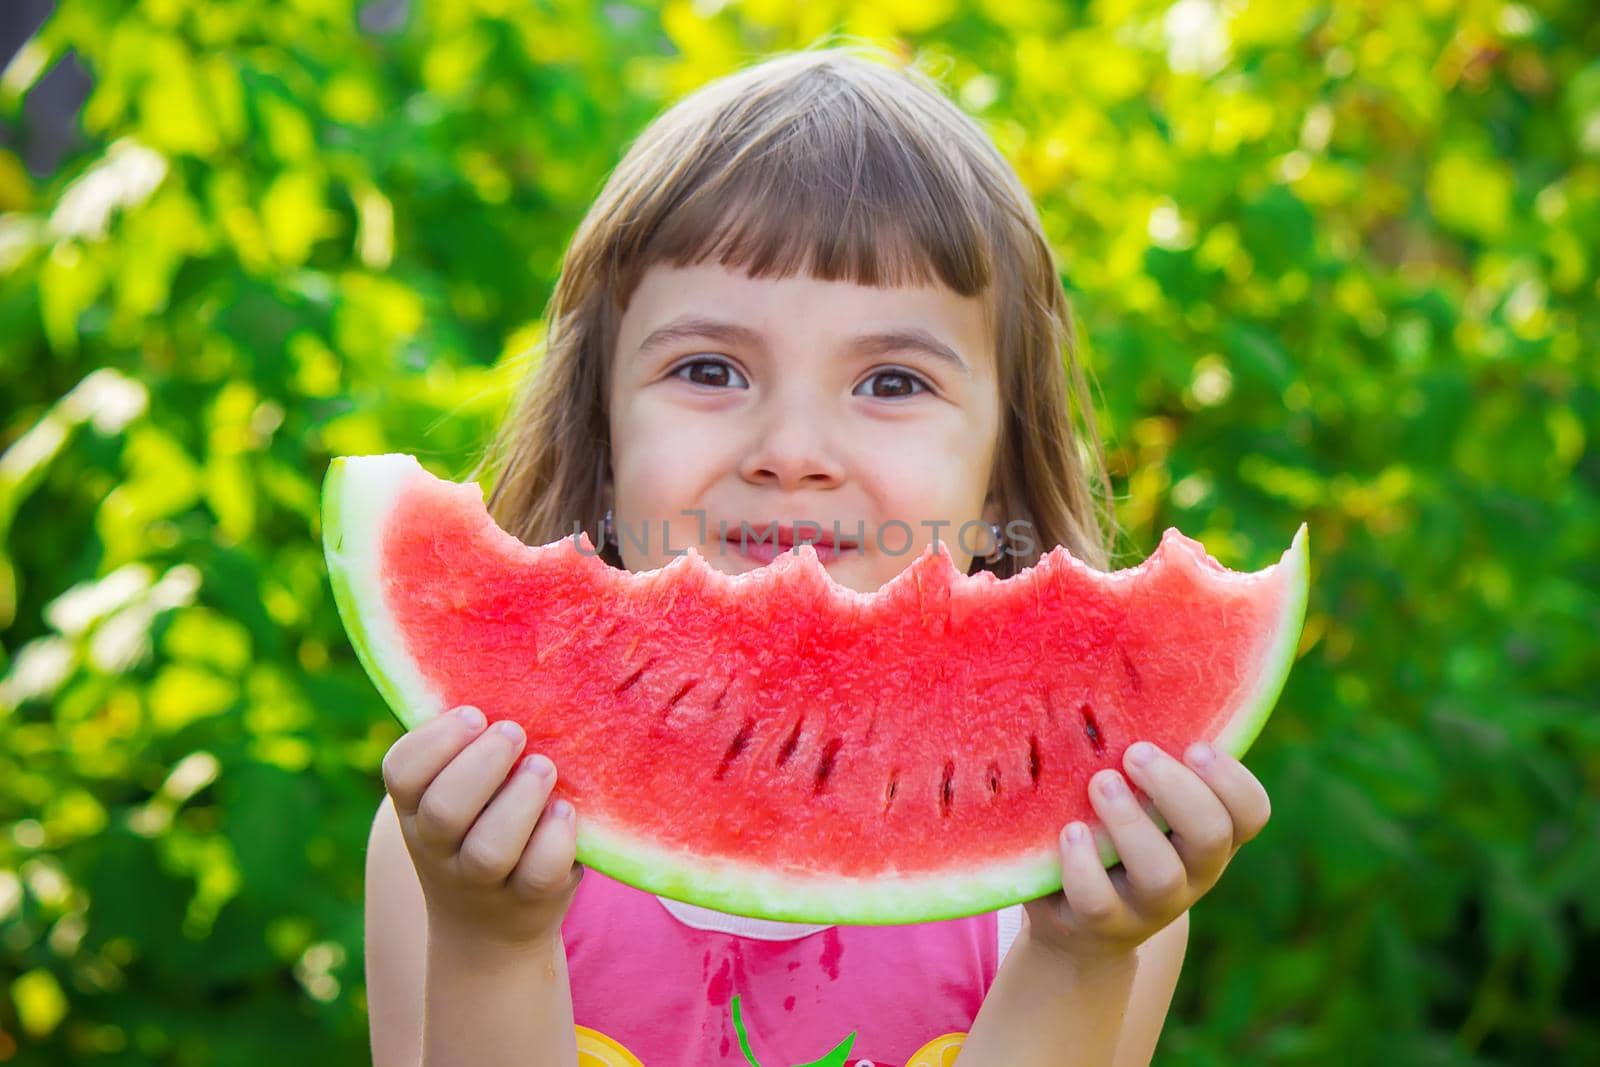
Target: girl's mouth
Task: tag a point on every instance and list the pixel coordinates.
(765, 545)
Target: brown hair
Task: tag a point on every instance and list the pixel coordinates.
(844, 163)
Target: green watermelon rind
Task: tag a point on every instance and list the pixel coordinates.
(349, 543)
(353, 514)
(794, 897)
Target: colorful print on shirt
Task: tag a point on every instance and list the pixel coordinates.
(658, 982)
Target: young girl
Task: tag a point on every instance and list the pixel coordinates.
(813, 292)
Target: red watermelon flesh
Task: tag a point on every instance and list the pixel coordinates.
(774, 744)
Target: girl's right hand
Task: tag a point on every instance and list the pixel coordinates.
(488, 872)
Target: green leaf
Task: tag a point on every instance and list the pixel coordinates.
(738, 1028)
(835, 1058)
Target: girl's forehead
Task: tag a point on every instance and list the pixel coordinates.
(670, 301)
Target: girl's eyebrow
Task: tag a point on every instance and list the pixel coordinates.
(880, 342)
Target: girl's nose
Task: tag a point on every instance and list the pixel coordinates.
(792, 451)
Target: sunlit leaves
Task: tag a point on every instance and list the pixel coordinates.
(1471, 194)
(40, 1003)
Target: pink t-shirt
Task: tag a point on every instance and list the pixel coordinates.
(658, 977)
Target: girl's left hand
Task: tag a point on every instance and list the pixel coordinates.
(1213, 806)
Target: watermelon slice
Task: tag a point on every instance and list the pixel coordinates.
(773, 744)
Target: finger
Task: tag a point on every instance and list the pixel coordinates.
(413, 762)
(458, 794)
(1090, 897)
(547, 867)
(494, 844)
(1240, 791)
(1202, 828)
(1156, 874)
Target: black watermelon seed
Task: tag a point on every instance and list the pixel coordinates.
(632, 678)
(735, 747)
(1133, 672)
(790, 742)
(825, 764)
(1092, 730)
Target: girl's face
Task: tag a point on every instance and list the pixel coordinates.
(781, 402)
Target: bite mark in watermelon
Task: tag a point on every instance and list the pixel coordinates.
(773, 744)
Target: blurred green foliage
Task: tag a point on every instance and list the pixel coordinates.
(1333, 262)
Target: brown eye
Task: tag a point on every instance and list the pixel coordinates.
(896, 383)
(710, 372)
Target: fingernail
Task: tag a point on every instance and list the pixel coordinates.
(539, 764)
(1077, 833)
(1201, 754)
(561, 809)
(508, 729)
(471, 717)
(1113, 787)
(1140, 753)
